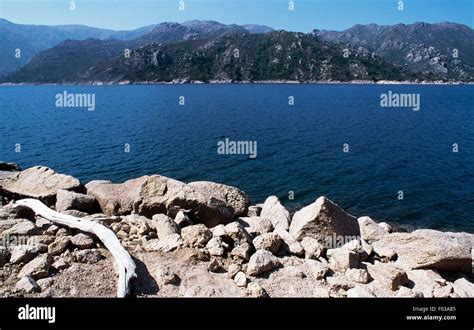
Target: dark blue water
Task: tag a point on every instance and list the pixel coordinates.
(300, 148)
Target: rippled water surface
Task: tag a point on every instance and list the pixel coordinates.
(300, 148)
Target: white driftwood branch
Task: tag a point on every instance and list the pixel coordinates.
(126, 266)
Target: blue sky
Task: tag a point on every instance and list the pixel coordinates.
(308, 14)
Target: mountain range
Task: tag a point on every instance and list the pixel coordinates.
(211, 51)
(32, 39)
(444, 49)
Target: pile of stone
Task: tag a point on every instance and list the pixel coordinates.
(264, 249)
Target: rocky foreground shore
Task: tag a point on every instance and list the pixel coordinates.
(207, 239)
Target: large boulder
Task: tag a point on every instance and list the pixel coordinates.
(234, 197)
(426, 281)
(38, 182)
(321, 220)
(370, 231)
(278, 215)
(426, 248)
(69, 200)
(388, 275)
(116, 199)
(463, 288)
(155, 194)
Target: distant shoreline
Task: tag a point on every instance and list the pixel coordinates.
(225, 82)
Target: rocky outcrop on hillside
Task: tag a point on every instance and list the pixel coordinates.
(206, 240)
(443, 50)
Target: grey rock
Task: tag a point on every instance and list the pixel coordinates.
(463, 288)
(36, 268)
(165, 276)
(23, 253)
(385, 226)
(165, 226)
(28, 285)
(369, 230)
(242, 251)
(341, 259)
(240, 279)
(82, 241)
(215, 247)
(232, 196)
(317, 269)
(321, 220)
(89, 256)
(196, 235)
(237, 233)
(312, 248)
(218, 231)
(277, 213)
(45, 283)
(23, 228)
(182, 219)
(256, 225)
(154, 194)
(214, 266)
(260, 262)
(254, 211)
(289, 244)
(358, 276)
(12, 211)
(426, 281)
(69, 200)
(168, 244)
(255, 290)
(51, 230)
(428, 249)
(60, 264)
(42, 223)
(62, 232)
(38, 182)
(59, 245)
(268, 241)
(388, 275)
(360, 291)
(233, 269)
(139, 225)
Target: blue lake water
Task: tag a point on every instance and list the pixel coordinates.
(300, 147)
